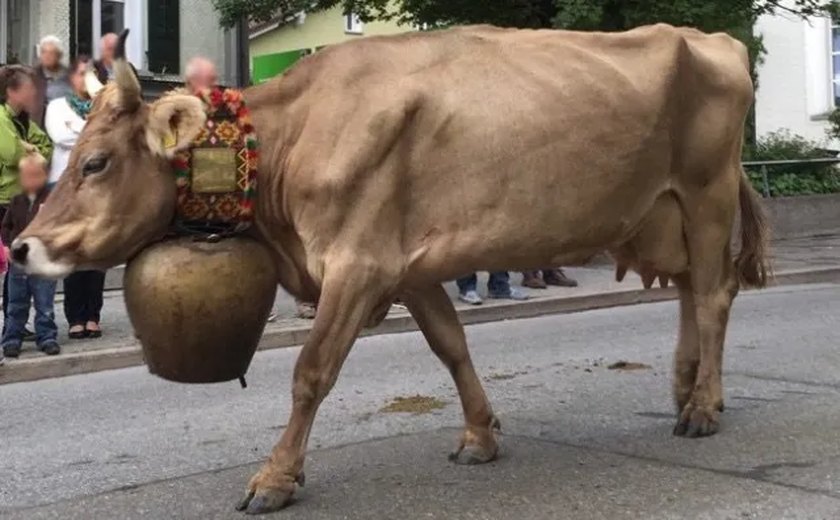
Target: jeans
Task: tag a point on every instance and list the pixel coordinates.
(3, 209)
(83, 297)
(499, 283)
(22, 290)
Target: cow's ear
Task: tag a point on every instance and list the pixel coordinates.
(174, 121)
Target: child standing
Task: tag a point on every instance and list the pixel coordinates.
(23, 288)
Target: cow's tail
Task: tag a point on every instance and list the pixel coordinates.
(753, 262)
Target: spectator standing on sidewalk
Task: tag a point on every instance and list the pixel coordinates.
(498, 287)
(18, 96)
(532, 279)
(23, 288)
(51, 75)
(200, 74)
(104, 66)
(65, 120)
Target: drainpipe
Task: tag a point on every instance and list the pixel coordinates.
(243, 54)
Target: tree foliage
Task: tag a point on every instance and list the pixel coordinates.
(710, 15)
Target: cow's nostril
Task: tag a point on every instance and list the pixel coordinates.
(19, 253)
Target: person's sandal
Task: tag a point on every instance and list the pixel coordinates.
(79, 333)
(93, 333)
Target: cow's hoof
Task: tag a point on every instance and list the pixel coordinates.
(470, 455)
(478, 444)
(695, 421)
(264, 501)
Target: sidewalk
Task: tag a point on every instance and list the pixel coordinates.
(801, 260)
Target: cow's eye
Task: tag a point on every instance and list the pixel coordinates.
(94, 165)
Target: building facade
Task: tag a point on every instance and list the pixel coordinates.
(799, 81)
(164, 35)
(278, 44)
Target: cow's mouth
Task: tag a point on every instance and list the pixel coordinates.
(31, 254)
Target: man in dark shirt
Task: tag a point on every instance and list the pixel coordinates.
(105, 64)
(51, 76)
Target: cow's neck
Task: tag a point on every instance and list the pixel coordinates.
(274, 224)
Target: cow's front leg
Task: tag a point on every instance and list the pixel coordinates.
(438, 320)
(346, 300)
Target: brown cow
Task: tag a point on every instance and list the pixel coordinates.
(392, 164)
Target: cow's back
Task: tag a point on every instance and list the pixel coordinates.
(494, 148)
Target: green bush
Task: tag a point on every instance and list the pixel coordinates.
(788, 180)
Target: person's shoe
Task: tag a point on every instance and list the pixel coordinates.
(532, 280)
(2, 359)
(11, 351)
(28, 335)
(272, 317)
(50, 348)
(470, 297)
(558, 277)
(512, 294)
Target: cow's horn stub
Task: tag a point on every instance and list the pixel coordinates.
(125, 77)
(119, 52)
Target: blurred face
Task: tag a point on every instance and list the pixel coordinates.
(107, 47)
(23, 97)
(77, 80)
(204, 76)
(33, 176)
(50, 56)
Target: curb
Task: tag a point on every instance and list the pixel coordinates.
(123, 357)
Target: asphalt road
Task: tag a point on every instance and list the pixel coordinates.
(580, 441)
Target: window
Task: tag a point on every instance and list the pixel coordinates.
(81, 27)
(835, 61)
(15, 19)
(352, 24)
(113, 16)
(108, 16)
(164, 52)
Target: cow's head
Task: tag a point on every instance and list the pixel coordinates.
(118, 192)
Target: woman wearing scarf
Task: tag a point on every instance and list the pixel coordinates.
(65, 120)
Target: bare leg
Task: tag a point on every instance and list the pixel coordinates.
(347, 300)
(438, 320)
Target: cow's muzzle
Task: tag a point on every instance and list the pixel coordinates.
(31, 254)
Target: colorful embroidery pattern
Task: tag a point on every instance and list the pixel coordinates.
(229, 127)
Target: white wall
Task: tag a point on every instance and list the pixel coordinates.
(794, 90)
(52, 17)
(201, 35)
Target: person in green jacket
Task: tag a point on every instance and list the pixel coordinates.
(18, 93)
(18, 135)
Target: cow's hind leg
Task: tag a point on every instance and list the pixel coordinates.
(438, 320)
(714, 285)
(687, 355)
(350, 293)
